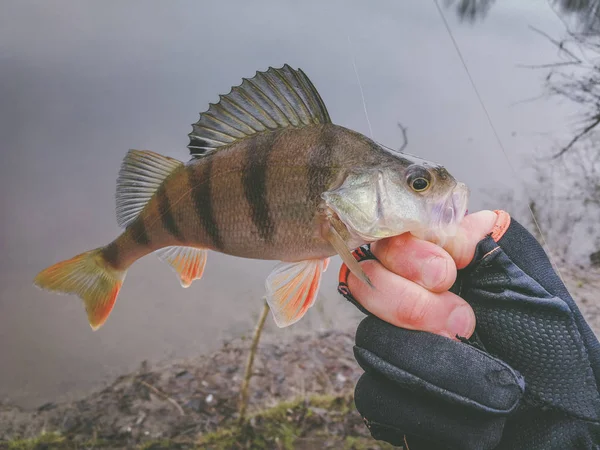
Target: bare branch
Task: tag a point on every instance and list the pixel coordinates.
(576, 79)
(527, 100)
(579, 135)
(404, 136)
(559, 44)
(162, 395)
(548, 65)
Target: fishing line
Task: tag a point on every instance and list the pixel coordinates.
(362, 94)
(497, 136)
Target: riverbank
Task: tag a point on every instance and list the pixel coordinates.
(301, 393)
(300, 398)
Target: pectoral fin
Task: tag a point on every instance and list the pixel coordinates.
(292, 288)
(337, 242)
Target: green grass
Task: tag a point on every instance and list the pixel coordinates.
(284, 424)
(46, 440)
(280, 426)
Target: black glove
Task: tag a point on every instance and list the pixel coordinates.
(527, 380)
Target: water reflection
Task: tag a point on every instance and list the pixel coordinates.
(560, 203)
(586, 13)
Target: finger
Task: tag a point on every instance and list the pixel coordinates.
(472, 229)
(405, 304)
(420, 261)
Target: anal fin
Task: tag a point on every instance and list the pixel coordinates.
(188, 262)
(292, 288)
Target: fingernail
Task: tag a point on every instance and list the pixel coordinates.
(435, 270)
(461, 322)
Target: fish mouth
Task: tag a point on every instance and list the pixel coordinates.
(455, 206)
(445, 216)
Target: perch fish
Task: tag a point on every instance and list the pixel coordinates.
(270, 177)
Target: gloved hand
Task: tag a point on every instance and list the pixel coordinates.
(527, 379)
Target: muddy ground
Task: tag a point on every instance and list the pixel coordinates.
(193, 403)
(185, 400)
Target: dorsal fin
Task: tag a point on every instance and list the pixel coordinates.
(277, 98)
(141, 174)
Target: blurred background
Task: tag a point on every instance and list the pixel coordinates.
(83, 82)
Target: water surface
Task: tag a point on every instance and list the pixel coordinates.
(83, 82)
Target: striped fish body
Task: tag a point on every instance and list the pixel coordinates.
(259, 198)
(270, 178)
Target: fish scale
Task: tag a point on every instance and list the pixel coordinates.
(272, 178)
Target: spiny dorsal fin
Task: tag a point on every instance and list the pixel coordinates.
(141, 174)
(277, 98)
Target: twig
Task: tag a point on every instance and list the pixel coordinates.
(163, 396)
(243, 405)
(559, 44)
(548, 65)
(404, 136)
(579, 135)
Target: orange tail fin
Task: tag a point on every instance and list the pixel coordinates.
(90, 277)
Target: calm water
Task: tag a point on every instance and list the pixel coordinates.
(82, 82)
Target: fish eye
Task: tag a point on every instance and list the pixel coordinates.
(419, 178)
(419, 184)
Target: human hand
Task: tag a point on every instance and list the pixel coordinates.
(412, 278)
(526, 380)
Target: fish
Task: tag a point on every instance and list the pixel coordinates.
(270, 177)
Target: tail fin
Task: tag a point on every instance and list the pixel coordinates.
(90, 277)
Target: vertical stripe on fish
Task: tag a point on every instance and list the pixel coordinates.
(200, 181)
(320, 162)
(111, 254)
(167, 215)
(138, 232)
(255, 184)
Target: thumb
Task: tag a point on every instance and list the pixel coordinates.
(473, 228)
